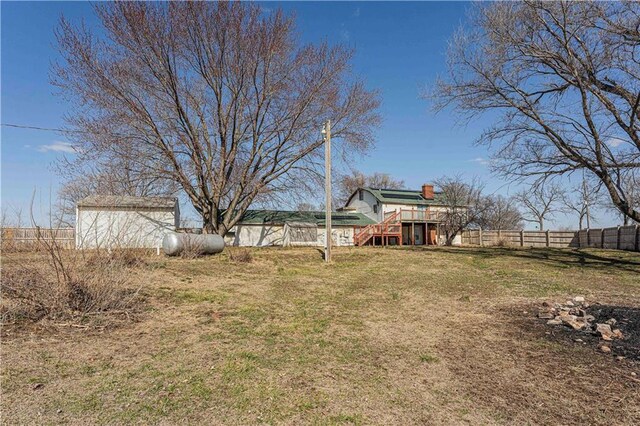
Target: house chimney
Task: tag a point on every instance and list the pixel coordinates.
(427, 191)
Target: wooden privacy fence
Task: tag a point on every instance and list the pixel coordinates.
(617, 238)
(32, 238)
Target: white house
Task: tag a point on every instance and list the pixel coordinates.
(405, 217)
(372, 216)
(289, 228)
(105, 221)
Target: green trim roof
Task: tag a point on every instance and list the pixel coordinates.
(279, 217)
(404, 196)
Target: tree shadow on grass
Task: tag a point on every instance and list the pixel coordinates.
(561, 258)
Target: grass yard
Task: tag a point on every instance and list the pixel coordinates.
(381, 336)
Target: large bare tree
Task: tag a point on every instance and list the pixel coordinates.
(219, 97)
(566, 78)
(631, 185)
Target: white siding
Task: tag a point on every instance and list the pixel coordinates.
(122, 228)
(366, 205)
(273, 235)
(341, 236)
(255, 236)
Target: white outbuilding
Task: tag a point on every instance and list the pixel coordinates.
(107, 221)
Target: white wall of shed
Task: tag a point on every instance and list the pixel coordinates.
(122, 228)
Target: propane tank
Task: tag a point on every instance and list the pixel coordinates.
(174, 244)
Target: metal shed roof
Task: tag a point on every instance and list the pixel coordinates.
(128, 202)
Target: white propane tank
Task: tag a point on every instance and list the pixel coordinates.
(175, 243)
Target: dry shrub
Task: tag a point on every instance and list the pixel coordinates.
(193, 248)
(240, 255)
(502, 242)
(121, 257)
(68, 286)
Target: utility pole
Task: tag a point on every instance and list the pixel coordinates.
(586, 196)
(327, 189)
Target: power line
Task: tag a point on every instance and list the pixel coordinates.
(47, 129)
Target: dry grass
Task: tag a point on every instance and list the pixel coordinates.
(380, 336)
(240, 255)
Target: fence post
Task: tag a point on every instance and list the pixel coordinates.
(522, 238)
(548, 240)
(602, 238)
(480, 236)
(618, 239)
(637, 241)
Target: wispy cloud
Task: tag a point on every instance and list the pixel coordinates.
(480, 160)
(57, 146)
(615, 142)
(345, 34)
(356, 13)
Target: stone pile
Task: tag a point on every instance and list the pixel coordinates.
(573, 313)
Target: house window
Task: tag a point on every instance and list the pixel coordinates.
(375, 208)
(360, 195)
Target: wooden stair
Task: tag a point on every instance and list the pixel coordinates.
(390, 227)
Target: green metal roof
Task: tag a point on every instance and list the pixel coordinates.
(279, 217)
(405, 196)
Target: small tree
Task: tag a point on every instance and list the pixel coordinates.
(464, 203)
(541, 202)
(115, 178)
(581, 200)
(500, 213)
(349, 183)
(305, 207)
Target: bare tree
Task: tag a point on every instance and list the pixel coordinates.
(541, 202)
(349, 183)
(305, 207)
(464, 203)
(581, 200)
(218, 97)
(565, 76)
(500, 213)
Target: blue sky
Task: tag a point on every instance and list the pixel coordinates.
(400, 49)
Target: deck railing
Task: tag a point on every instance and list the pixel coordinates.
(415, 215)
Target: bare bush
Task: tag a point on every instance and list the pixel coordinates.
(240, 255)
(193, 248)
(120, 258)
(502, 242)
(68, 286)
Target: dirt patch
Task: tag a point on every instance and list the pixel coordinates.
(527, 372)
(627, 319)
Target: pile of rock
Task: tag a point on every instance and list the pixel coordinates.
(573, 313)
